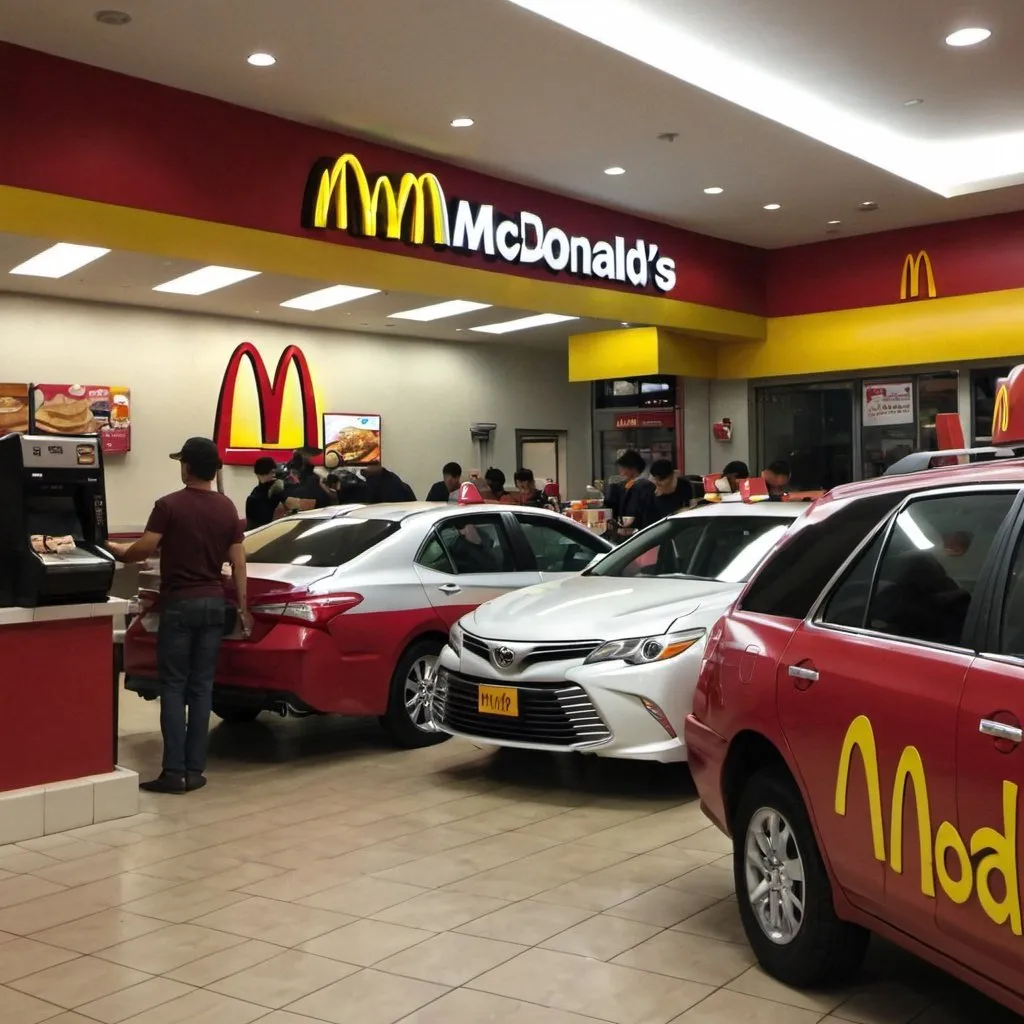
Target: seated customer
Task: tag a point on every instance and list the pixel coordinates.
(776, 479)
(495, 479)
(671, 494)
(448, 485)
(526, 489)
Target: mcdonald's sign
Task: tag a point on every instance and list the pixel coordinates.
(910, 278)
(273, 417)
(1008, 415)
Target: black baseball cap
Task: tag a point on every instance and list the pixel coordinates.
(201, 455)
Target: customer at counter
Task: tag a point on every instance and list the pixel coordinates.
(496, 485)
(384, 487)
(776, 479)
(307, 491)
(628, 499)
(450, 482)
(196, 530)
(262, 500)
(527, 492)
(671, 493)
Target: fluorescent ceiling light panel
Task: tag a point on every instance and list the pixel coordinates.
(60, 260)
(440, 310)
(948, 167)
(324, 298)
(524, 323)
(207, 279)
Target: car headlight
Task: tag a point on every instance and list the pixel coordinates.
(455, 639)
(645, 650)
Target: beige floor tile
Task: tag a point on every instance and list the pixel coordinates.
(581, 822)
(70, 1017)
(691, 957)
(201, 973)
(648, 833)
(20, 957)
(65, 848)
(528, 922)
(18, 1008)
(436, 839)
(201, 1007)
(709, 880)
(18, 860)
(363, 897)
(601, 937)
(464, 1006)
(612, 992)
(369, 997)
(720, 921)
(754, 982)
(450, 958)
(442, 910)
(192, 867)
(132, 1001)
(285, 924)
(724, 1007)
(22, 888)
(662, 906)
(97, 931)
(169, 948)
(366, 942)
(595, 894)
(709, 839)
(243, 875)
(885, 1002)
(88, 869)
(185, 902)
(80, 981)
(283, 979)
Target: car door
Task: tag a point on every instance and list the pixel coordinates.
(467, 559)
(559, 547)
(978, 862)
(869, 688)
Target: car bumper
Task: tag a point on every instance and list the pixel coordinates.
(708, 751)
(611, 709)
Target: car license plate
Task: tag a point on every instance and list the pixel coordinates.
(498, 700)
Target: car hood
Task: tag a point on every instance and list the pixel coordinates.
(598, 608)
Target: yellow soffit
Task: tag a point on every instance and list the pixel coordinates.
(64, 218)
(639, 352)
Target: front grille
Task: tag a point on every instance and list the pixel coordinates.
(575, 650)
(555, 714)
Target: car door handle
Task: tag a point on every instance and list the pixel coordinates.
(450, 588)
(1000, 730)
(799, 672)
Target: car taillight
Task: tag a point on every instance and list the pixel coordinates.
(310, 611)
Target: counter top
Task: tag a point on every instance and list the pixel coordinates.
(111, 608)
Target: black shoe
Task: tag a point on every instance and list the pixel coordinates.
(194, 780)
(166, 782)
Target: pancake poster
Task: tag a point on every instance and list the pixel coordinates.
(75, 409)
(14, 405)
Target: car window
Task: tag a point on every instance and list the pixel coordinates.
(476, 544)
(434, 556)
(793, 577)
(558, 547)
(316, 542)
(925, 580)
(714, 547)
(1011, 631)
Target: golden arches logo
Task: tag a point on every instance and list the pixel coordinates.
(1001, 413)
(340, 187)
(910, 279)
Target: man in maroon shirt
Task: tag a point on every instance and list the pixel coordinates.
(196, 531)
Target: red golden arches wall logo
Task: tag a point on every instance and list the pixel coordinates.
(276, 425)
(910, 278)
(1008, 415)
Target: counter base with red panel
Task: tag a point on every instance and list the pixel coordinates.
(57, 760)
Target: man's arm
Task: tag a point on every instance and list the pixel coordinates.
(236, 556)
(138, 551)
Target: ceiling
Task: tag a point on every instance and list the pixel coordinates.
(128, 278)
(554, 107)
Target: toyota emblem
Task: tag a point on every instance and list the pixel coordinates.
(504, 657)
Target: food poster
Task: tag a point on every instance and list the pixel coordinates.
(353, 437)
(888, 404)
(14, 406)
(85, 409)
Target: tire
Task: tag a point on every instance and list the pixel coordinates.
(236, 714)
(807, 948)
(411, 726)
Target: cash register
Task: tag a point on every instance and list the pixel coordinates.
(53, 521)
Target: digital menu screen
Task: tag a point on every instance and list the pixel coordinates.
(353, 437)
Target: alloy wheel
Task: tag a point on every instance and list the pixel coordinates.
(774, 871)
(419, 692)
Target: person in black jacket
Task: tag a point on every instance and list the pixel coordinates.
(527, 492)
(450, 482)
(628, 499)
(384, 487)
(672, 493)
(260, 505)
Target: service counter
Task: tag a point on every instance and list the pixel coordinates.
(58, 730)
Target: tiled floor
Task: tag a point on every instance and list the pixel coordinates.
(325, 877)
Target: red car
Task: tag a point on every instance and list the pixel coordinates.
(857, 730)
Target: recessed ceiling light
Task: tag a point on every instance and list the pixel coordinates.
(968, 37)
(438, 311)
(114, 18)
(261, 60)
(59, 260)
(207, 279)
(624, 323)
(462, 122)
(714, 190)
(912, 103)
(324, 298)
(615, 171)
(524, 323)
(773, 206)
(868, 206)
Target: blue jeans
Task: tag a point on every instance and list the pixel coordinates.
(188, 643)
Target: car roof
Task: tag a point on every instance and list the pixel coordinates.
(772, 509)
(427, 510)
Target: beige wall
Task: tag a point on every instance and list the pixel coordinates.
(707, 402)
(427, 392)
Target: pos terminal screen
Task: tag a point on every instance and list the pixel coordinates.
(52, 516)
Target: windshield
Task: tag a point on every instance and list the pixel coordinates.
(709, 547)
(322, 543)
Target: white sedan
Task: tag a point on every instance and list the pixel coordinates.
(606, 662)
